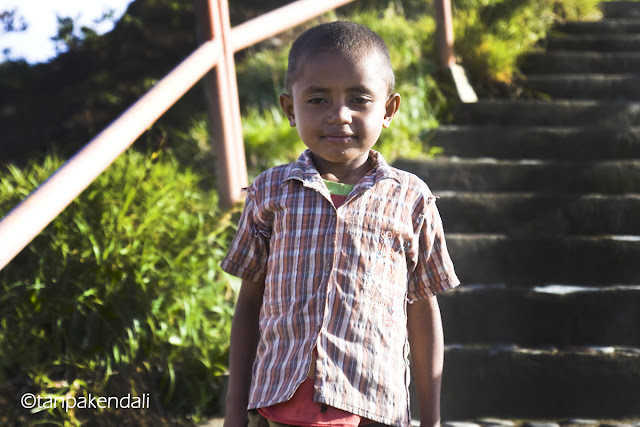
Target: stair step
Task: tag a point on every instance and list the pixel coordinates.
(537, 142)
(587, 86)
(595, 42)
(587, 113)
(512, 382)
(569, 219)
(568, 61)
(595, 260)
(605, 26)
(536, 213)
(554, 315)
(540, 206)
(620, 9)
(615, 176)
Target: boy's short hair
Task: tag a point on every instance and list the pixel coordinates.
(343, 37)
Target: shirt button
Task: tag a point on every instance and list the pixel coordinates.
(327, 269)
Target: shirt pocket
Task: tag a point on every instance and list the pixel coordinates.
(383, 246)
(384, 284)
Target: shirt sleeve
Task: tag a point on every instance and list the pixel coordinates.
(434, 272)
(249, 251)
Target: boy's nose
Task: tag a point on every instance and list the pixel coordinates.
(340, 114)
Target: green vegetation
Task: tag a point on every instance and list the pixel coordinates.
(491, 36)
(122, 293)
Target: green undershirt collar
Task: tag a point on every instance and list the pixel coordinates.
(338, 188)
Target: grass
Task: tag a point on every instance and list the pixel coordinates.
(492, 36)
(121, 292)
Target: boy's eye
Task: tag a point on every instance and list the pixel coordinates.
(315, 100)
(360, 100)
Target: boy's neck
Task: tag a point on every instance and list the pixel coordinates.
(342, 172)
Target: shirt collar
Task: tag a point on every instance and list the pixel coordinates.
(304, 170)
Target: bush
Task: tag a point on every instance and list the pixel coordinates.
(122, 292)
(491, 36)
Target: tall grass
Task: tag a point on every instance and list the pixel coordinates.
(121, 292)
(492, 36)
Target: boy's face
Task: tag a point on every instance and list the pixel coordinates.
(339, 106)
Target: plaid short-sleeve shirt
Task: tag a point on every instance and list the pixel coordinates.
(339, 280)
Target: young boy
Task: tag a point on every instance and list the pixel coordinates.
(330, 249)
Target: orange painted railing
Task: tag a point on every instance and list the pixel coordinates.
(31, 216)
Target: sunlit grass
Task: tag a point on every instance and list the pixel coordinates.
(491, 36)
(124, 282)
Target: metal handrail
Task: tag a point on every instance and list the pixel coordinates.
(271, 23)
(30, 217)
(34, 213)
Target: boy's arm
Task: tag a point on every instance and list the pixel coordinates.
(242, 353)
(426, 339)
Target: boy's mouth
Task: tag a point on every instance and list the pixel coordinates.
(339, 137)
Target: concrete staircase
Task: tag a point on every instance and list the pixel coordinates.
(541, 203)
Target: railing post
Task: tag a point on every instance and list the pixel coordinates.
(444, 28)
(224, 105)
(446, 56)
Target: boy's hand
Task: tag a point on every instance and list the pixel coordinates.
(245, 334)
(424, 326)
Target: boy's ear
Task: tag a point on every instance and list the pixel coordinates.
(391, 108)
(286, 102)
